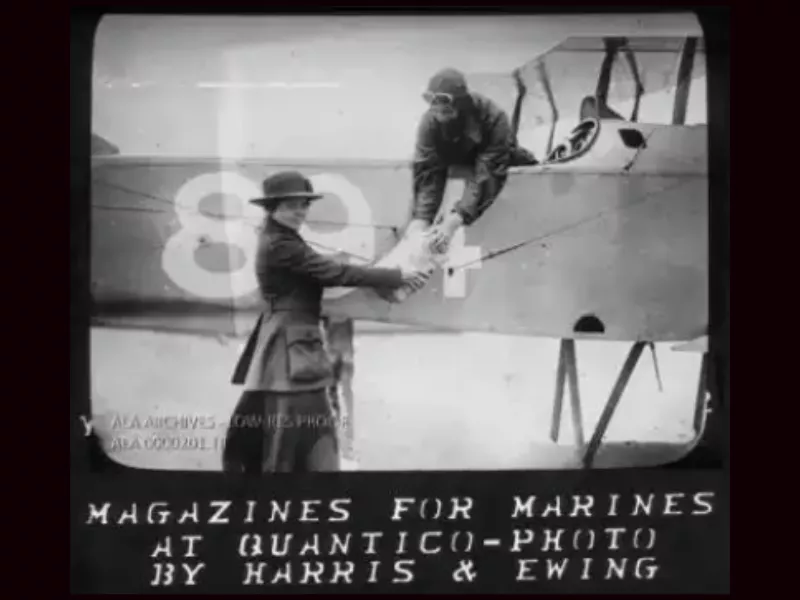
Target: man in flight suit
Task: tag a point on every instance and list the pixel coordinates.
(460, 128)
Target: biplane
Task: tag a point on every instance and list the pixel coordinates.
(605, 238)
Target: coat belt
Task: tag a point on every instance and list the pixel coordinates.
(291, 304)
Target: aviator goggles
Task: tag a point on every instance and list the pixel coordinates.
(438, 98)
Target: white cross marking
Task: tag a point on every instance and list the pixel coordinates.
(455, 285)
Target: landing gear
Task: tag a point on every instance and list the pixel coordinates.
(568, 370)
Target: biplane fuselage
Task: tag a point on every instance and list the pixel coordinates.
(615, 237)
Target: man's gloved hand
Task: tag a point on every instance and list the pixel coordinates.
(416, 227)
(441, 235)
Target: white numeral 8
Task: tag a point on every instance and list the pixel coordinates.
(240, 230)
(197, 229)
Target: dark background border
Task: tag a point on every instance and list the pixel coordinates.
(94, 475)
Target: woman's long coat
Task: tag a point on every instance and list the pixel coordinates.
(286, 351)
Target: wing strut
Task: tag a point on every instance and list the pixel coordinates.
(597, 105)
(545, 81)
(685, 68)
(655, 366)
(567, 373)
(567, 370)
(631, 58)
(522, 91)
(604, 79)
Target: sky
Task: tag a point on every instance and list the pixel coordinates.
(330, 87)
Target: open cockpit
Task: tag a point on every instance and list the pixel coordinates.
(637, 80)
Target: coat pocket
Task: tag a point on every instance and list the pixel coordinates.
(307, 357)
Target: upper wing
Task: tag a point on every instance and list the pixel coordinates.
(558, 81)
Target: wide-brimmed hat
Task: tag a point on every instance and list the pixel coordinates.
(287, 184)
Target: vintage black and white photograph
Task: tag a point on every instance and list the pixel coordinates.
(399, 243)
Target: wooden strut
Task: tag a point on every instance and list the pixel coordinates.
(568, 370)
(613, 400)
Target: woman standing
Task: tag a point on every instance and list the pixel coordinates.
(283, 421)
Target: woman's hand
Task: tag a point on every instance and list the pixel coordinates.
(415, 279)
